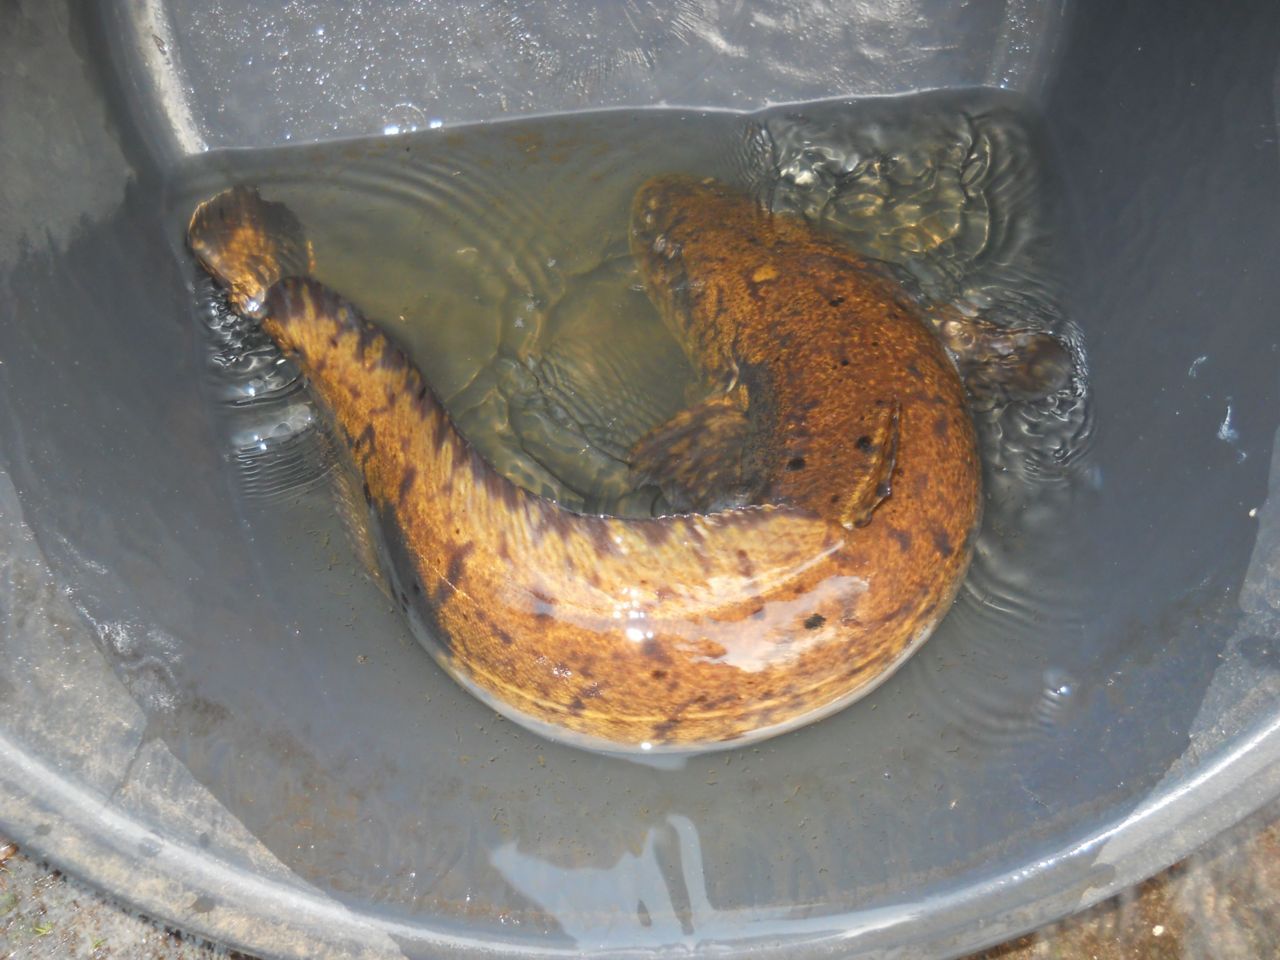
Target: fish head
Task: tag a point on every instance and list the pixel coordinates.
(247, 244)
(669, 212)
(671, 218)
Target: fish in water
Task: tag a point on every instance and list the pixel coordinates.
(827, 494)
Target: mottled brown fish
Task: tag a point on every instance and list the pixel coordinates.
(836, 458)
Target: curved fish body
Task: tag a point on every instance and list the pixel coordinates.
(836, 460)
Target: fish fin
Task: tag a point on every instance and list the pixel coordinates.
(248, 243)
(702, 458)
(875, 485)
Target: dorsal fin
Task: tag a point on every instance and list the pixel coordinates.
(875, 483)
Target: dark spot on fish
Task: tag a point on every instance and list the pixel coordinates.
(901, 537)
(404, 600)
(366, 336)
(658, 674)
(439, 436)
(368, 497)
(457, 559)
(942, 542)
(914, 371)
(745, 566)
(655, 534)
(503, 637)
(795, 463)
(716, 307)
(417, 586)
(863, 443)
(392, 358)
(576, 705)
(600, 537)
(543, 606)
(660, 730)
(814, 621)
(896, 613)
(652, 649)
(366, 438)
(406, 483)
(941, 426)
(836, 301)
(844, 361)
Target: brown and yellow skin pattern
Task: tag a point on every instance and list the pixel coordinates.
(685, 631)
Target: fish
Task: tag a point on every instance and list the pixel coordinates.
(825, 496)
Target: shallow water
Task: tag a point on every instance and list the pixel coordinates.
(275, 716)
(499, 256)
(289, 687)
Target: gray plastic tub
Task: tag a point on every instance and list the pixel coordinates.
(209, 709)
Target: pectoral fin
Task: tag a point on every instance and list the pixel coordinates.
(704, 458)
(874, 483)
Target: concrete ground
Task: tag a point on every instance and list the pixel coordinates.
(1221, 903)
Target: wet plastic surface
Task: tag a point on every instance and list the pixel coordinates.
(1220, 902)
(232, 75)
(264, 766)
